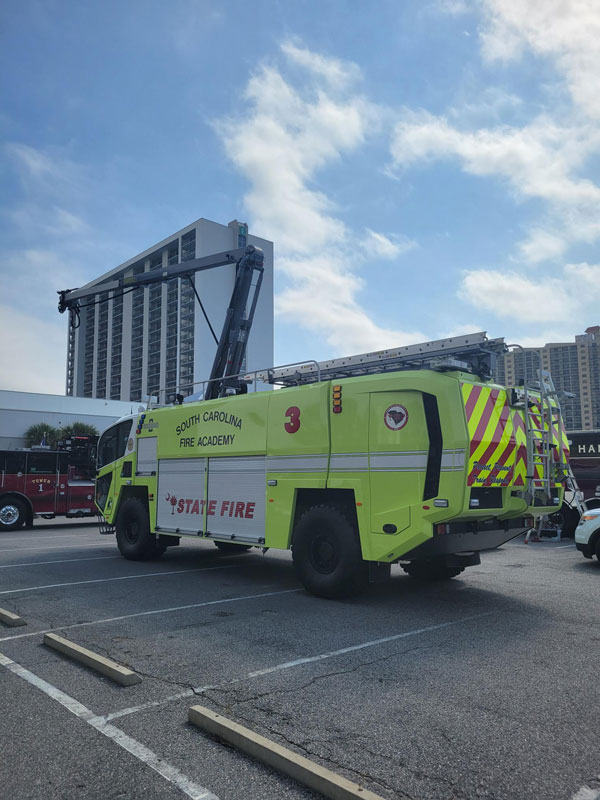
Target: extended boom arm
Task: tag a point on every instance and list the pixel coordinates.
(231, 347)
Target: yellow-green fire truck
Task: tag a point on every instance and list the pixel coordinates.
(425, 467)
(411, 455)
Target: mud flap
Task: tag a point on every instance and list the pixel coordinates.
(169, 541)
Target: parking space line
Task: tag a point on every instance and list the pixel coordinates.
(34, 537)
(137, 749)
(119, 578)
(290, 664)
(51, 547)
(59, 561)
(148, 613)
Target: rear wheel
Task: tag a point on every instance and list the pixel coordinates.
(326, 553)
(566, 519)
(598, 548)
(12, 514)
(432, 570)
(231, 547)
(132, 527)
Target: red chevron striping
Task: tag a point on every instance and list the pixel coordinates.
(521, 457)
(497, 435)
(484, 421)
(472, 400)
(500, 463)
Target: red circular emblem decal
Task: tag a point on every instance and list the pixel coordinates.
(395, 417)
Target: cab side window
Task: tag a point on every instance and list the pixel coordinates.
(124, 430)
(13, 463)
(41, 463)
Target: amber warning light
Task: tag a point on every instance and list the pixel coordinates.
(337, 399)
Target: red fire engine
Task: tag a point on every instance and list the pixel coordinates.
(47, 483)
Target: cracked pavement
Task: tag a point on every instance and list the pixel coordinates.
(497, 706)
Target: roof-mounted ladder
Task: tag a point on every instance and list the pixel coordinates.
(543, 419)
(471, 353)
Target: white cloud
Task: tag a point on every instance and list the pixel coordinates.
(539, 161)
(542, 245)
(34, 161)
(544, 158)
(281, 143)
(510, 295)
(338, 74)
(573, 295)
(322, 299)
(568, 32)
(389, 247)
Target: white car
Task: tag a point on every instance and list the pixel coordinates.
(587, 533)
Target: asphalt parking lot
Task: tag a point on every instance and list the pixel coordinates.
(484, 686)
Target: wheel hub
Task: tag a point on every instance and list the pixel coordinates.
(323, 555)
(132, 532)
(9, 515)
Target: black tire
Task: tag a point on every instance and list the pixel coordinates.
(432, 570)
(231, 547)
(566, 519)
(12, 514)
(132, 527)
(597, 548)
(326, 553)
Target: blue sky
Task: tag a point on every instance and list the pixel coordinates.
(424, 168)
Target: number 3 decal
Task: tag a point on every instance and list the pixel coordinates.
(293, 425)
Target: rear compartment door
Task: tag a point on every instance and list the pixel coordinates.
(497, 449)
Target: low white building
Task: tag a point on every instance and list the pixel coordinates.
(20, 410)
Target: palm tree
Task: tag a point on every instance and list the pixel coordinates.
(77, 429)
(42, 433)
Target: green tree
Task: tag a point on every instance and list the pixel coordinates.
(77, 429)
(41, 432)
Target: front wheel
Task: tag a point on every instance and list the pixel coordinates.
(326, 553)
(134, 539)
(12, 514)
(432, 570)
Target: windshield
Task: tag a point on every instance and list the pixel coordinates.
(113, 443)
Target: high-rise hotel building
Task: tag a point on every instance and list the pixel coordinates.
(575, 368)
(155, 340)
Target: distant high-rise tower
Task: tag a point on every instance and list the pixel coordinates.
(156, 339)
(575, 368)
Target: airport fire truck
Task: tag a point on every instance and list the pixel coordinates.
(409, 455)
(47, 483)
